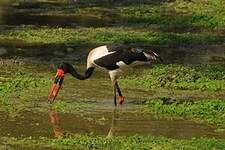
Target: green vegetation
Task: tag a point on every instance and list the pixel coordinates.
(182, 77)
(32, 36)
(210, 111)
(183, 15)
(128, 143)
(18, 85)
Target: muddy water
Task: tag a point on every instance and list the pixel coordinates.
(98, 89)
(110, 122)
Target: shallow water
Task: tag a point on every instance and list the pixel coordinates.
(107, 122)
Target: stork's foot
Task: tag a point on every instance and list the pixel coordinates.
(121, 100)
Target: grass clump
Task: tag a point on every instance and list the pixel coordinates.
(210, 111)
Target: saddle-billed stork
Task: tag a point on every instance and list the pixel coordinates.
(112, 58)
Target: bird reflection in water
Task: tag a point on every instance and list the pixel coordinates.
(55, 121)
(113, 127)
(58, 132)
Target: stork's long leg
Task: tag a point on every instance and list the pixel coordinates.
(114, 76)
(114, 91)
(118, 89)
(121, 98)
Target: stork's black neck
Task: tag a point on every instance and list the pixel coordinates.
(68, 68)
(86, 75)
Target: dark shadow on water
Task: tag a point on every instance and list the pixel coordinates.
(78, 51)
(168, 22)
(87, 3)
(55, 21)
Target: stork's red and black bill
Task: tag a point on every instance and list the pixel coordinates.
(56, 85)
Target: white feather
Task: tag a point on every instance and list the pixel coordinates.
(114, 74)
(96, 54)
(121, 64)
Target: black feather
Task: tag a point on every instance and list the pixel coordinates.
(121, 53)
